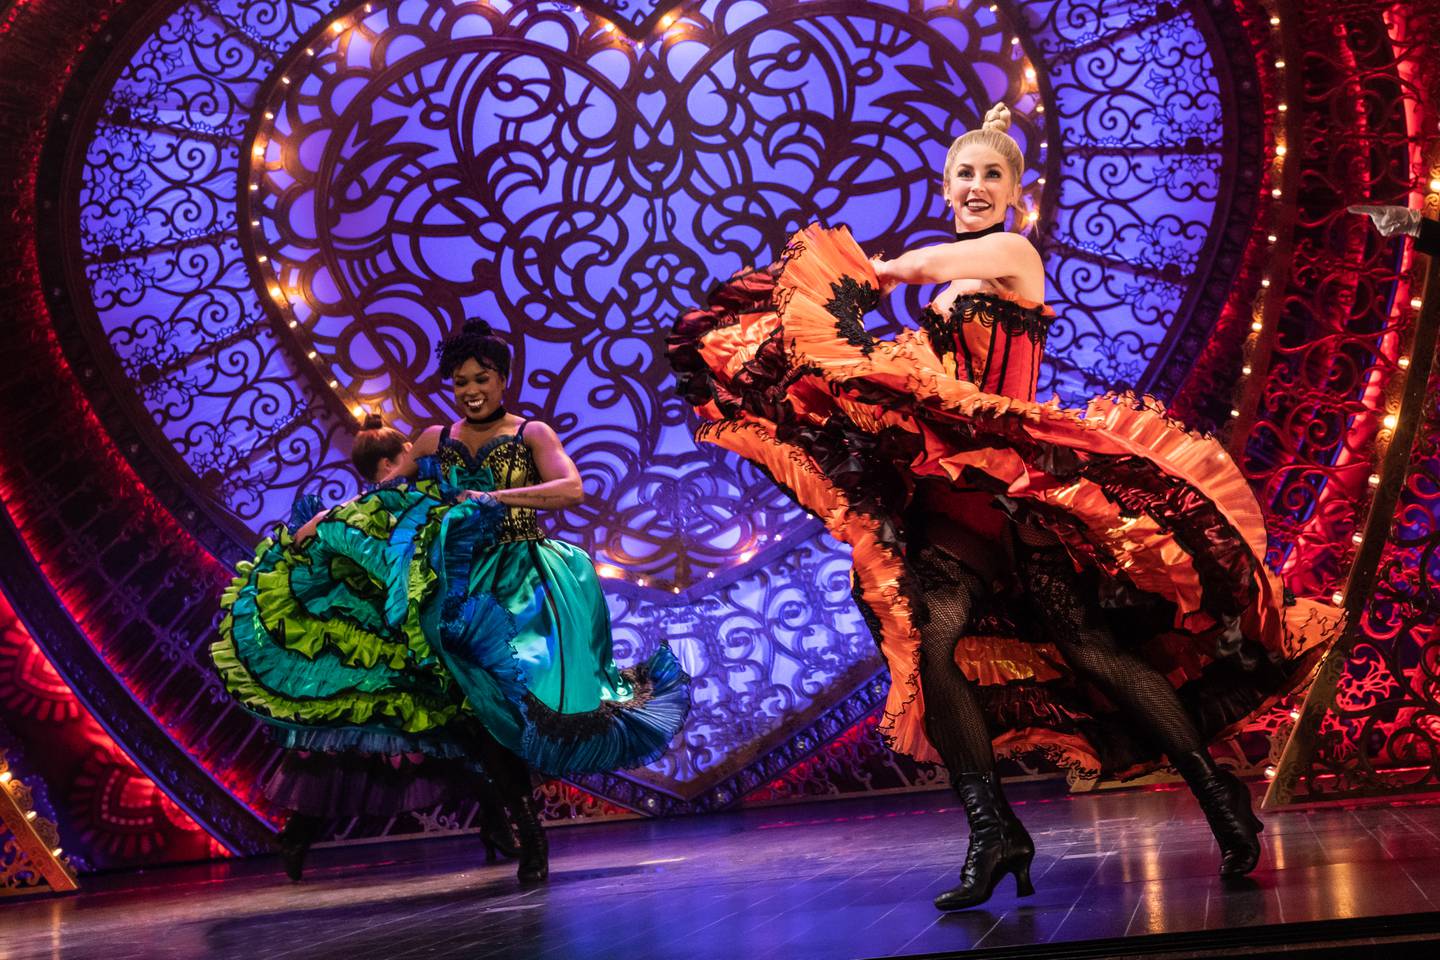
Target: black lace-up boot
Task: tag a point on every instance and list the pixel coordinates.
(999, 845)
(1226, 803)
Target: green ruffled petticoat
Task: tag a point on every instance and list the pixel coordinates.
(408, 617)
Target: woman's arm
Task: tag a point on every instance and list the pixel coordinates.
(427, 443)
(404, 467)
(1000, 256)
(559, 485)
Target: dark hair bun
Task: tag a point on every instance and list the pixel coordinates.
(373, 421)
(478, 328)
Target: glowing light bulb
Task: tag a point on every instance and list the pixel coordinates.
(1282, 107)
(6, 777)
(1295, 714)
(294, 324)
(285, 80)
(31, 815)
(254, 187)
(1014, 41)
(1416, 303)
(1272, 238)
(1403, 363)
(1281, 149)
(1270, 773)
(1274, 21)
(269, 115)
(1276, 193)
(1435, 185)
(1257, 326)
(641, 582)
(1030, 74)
(1390, 421)
(1234, 412)
(1338, 596)
(1279, 64)
(1245, 369)
(57, 851)
(666, 21)
(262, 258)
(1358, 538)
(675, 589)
(1374, 480)
(746, 555)
(1265, 283)
(337, 26)
(334, 383)
(311, 354)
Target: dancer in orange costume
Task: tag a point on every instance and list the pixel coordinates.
(1127, 552)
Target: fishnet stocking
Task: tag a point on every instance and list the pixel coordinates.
(1090, 647)
(954, 720)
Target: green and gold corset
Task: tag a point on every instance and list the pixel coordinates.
(501, 463)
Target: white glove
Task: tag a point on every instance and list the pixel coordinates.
(1390, 221)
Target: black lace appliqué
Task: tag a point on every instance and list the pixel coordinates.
(850, 302)
(986, 309)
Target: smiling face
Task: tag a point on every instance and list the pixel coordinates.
(981, 186)
(478, 389)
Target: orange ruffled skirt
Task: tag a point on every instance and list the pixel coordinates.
(779, 366)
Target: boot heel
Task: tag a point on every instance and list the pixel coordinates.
(1023, 886)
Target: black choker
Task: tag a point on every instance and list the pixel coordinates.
(491, 417)
(975, 234)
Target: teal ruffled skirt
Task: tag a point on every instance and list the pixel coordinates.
(405, 620)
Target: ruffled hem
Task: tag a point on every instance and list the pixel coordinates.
(368, 639)
(782, 367)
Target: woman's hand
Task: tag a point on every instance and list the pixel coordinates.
(308, 530)
(884, 273)
(1389, 221)
(479, 496)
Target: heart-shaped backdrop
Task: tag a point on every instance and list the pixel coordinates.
(286, 204)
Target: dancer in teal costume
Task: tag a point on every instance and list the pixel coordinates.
(434, 611)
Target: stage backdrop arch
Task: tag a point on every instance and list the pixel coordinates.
(266, 214)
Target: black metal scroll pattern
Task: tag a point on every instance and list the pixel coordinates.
(168, 282)
(1141, 122)
(581, 191)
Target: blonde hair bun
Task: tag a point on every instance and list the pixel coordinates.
(997, 118)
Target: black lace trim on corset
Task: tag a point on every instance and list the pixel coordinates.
(574, 727)
(986, 309)
(850, 302)
(515, 460)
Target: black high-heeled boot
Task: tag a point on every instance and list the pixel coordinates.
(534, 847)
(496, 833)
(1226, 804)
(999, 844)
(294, 841)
